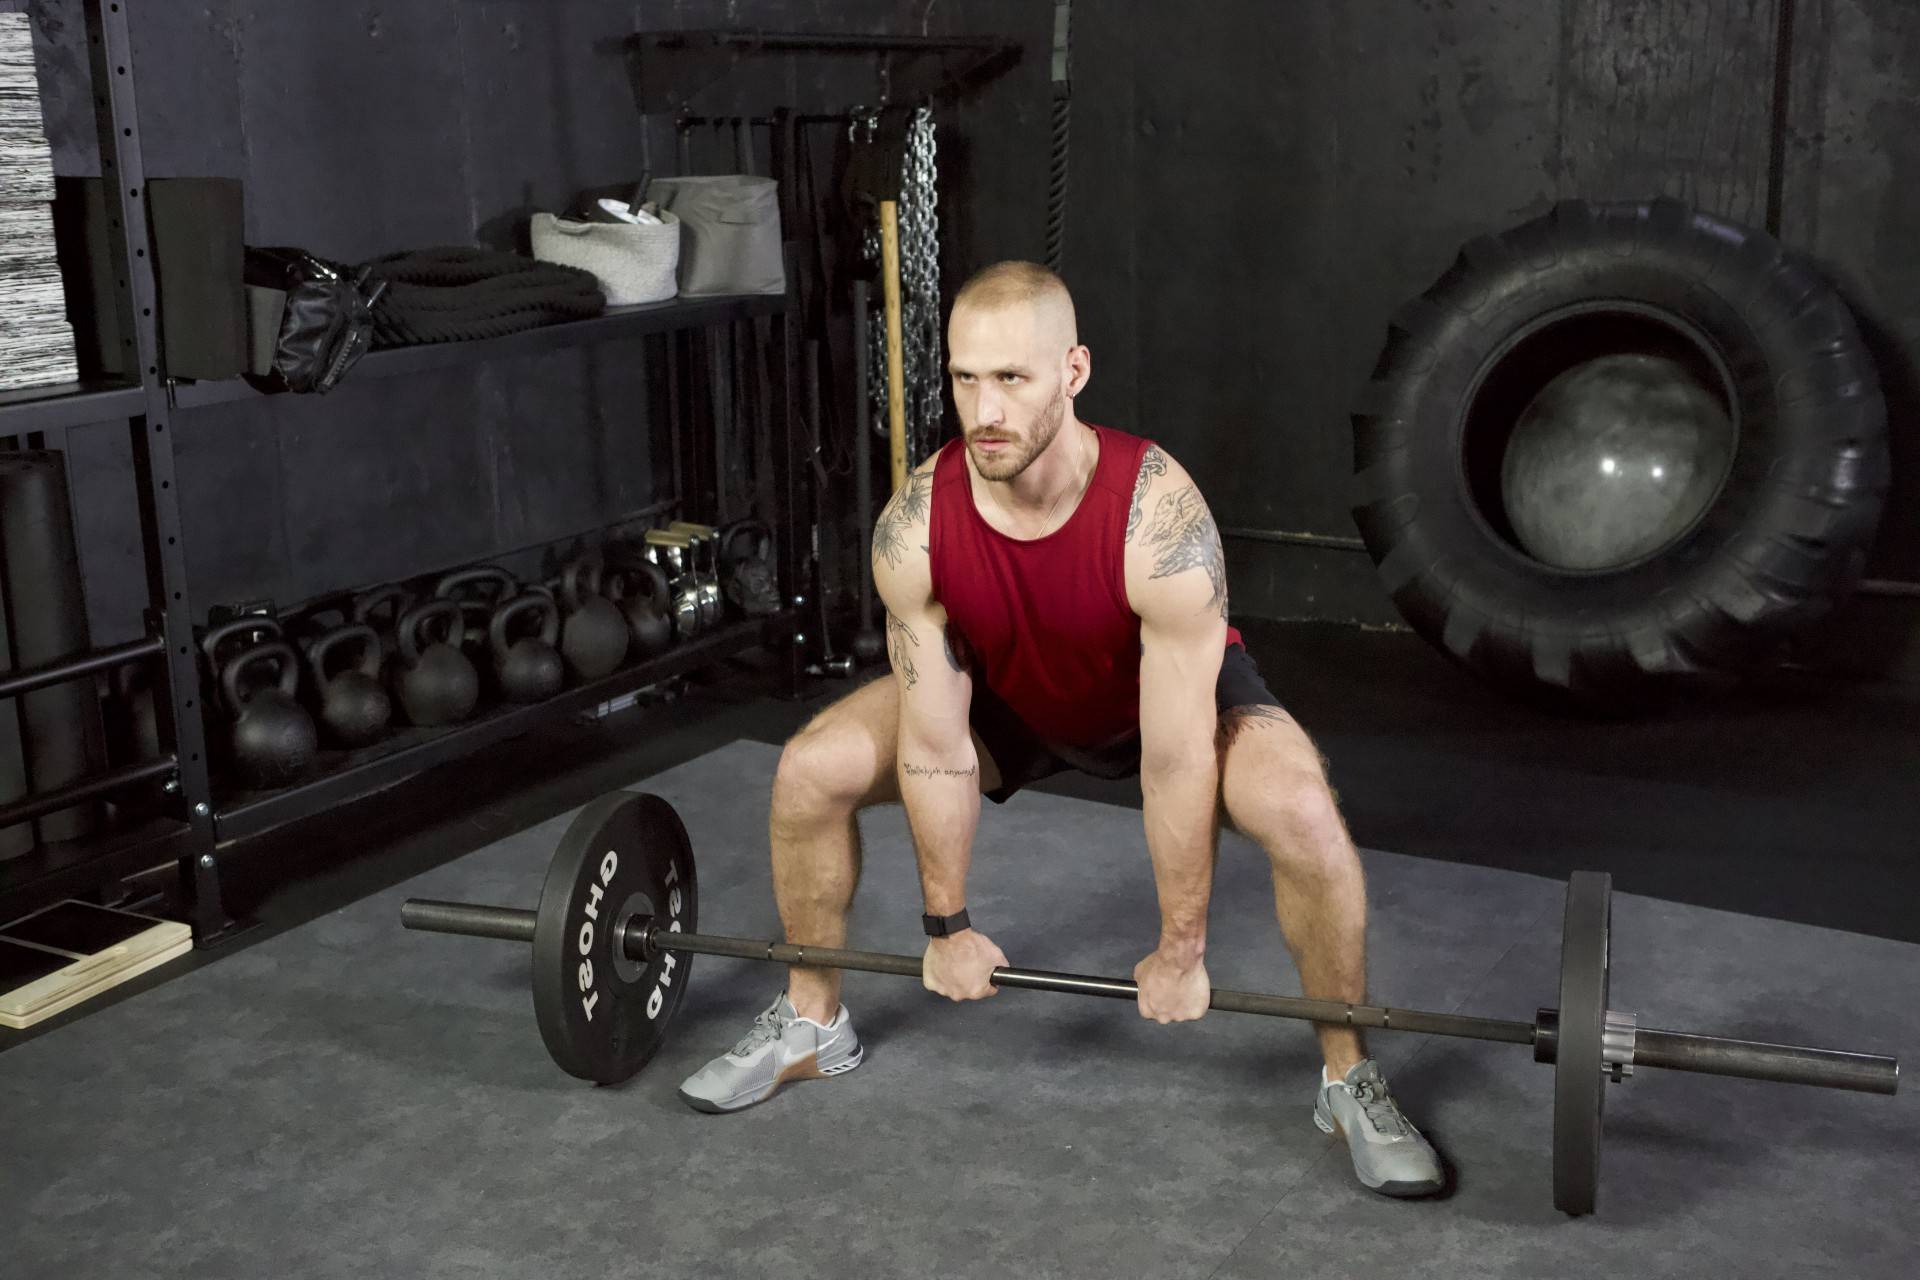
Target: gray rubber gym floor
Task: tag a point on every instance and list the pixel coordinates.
(350, 1099)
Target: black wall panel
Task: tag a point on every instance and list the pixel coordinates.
(1256, 186)
(1665, 96)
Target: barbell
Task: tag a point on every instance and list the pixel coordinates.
(615, 927)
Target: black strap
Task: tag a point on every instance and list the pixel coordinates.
(942, 926)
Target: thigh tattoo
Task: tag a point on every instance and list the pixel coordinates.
(1235, 721)
(1252, 715)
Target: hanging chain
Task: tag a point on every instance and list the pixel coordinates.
(920, 282)
(921, 360)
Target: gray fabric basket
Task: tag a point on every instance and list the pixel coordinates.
(732, 238)
(634, 264)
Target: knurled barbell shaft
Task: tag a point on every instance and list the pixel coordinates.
(1675, 1050)
(515, 925)
(642, 935)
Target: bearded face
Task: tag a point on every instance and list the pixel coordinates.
(1003, 451)
(1010, 367)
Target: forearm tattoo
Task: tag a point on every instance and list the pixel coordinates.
(1184, 537)
(899, 636)
(907, 508)
(928, 771)
(1152, 463)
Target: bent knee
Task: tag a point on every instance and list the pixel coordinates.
(828, 770)
(1288, 809)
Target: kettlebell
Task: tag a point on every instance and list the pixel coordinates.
(273, 737)
(220, 643)
(530, 668)
(302, 628)
(671, 552)
(437, 683)
(703, 547)
(746, 554)
(354, 706)
(593, 639)
(480, 590)
(380, 609)
(640, 590)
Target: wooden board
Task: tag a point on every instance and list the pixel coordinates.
(72, 951)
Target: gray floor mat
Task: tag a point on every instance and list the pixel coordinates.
(351, 1099)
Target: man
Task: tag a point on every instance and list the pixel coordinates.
(1056, 597)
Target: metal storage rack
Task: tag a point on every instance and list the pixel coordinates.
(194, 832)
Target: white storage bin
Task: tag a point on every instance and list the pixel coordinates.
(634, 264)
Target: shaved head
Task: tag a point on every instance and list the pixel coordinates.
(1030, 288)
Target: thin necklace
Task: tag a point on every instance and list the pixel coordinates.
(1044, 520)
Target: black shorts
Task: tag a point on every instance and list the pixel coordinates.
(1024, 758)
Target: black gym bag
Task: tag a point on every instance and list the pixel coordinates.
(327, 321)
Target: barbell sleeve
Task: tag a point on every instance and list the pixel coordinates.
(1756, 1060)
(509, 924)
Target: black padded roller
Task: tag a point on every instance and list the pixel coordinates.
(60, 726)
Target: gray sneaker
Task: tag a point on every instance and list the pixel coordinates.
(782, 1046)
(1389, 1155)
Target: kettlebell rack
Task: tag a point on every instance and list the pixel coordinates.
(195, 824)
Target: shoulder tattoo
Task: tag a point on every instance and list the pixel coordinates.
(1184, 537)
(1152, 463)
(907, 508)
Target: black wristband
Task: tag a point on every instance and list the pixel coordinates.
(941, 926)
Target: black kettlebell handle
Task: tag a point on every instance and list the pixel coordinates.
(289, 680)
(451, 586)
(583, 577)
(414, 621)
(494, 586)
(503, 617)
(371, 603)
(640, 577)
(758, 530)
(321, 649)
(252, 624)
(317, 618)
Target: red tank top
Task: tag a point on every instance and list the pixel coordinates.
(1047, 618)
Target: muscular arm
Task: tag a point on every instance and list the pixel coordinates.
(1177, 583)
(936, 766)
